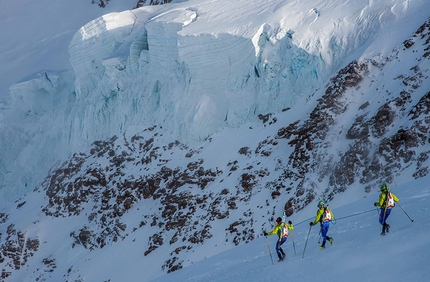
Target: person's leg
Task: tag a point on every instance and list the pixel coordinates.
(386, 226)
(387, 214)
(330, 239)
(279, 250)
(381, 216)
(284, 239)
(324, 230)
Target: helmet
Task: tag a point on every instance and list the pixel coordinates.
(383, 187)
(278, 220)
(321, 204)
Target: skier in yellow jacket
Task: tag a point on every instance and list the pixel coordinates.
(324, 217)
(386, 203)
(281, 229)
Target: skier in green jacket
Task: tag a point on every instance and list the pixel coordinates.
(324, 217)
(386, 203)
(281, 229)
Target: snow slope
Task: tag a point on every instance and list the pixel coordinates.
(358, 252)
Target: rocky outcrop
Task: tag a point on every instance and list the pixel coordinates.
(141, 3)
(379, 148)
(17, 250)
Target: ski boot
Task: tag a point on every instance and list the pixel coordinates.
(384, 228)
(283, 254)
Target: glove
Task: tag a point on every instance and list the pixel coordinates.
(311, 223)
(289, 222)
(264, 233)
(375, 204)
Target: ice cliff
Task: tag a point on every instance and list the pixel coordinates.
(191, 68)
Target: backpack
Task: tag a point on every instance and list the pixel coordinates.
(284, 230)
(327, 215)
(389, 201)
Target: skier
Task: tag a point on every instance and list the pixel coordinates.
(281, 229)
(386, 203)
(324, 217)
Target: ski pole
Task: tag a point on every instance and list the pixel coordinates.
(292, 237)
(268, 247)
(405, 213)
(306, 241)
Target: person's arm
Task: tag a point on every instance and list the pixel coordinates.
(274, 231)
(381, 200)
(317, 217)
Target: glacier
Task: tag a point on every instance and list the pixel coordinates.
(189, 67)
